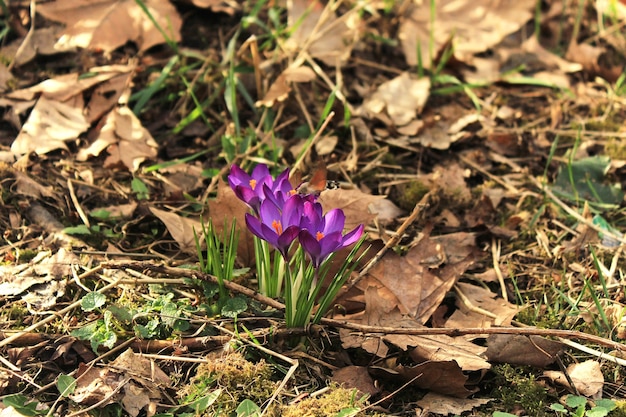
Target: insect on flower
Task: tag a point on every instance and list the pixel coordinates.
(317, 183)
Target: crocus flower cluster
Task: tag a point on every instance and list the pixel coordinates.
(280, 215)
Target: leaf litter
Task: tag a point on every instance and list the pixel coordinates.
(478, 148)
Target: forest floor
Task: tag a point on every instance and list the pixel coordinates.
(481, 145)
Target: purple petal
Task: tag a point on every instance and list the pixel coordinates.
(334, 221)
(311, 217)
(254, 225)
(330, 243)
(244, 193)
(292, 210)
(310, 244)
(269, 212)
(270, 235)
(238, 176)
(353, 236)
(288, 236)
(281, 183)
(261, 172)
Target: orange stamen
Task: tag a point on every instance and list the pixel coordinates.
(319, 236)
(252, 183)
(278, 227)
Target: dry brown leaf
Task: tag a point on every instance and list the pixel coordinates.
(135, 398)
(502, 312)
(522, 350)
(589, 57)
(58, 116)
(417, 283)
(108, 93)
(94, 385)
(182, 178)
(443, 377)
(355, 377)
(401, 98)
(380, 311)
(181, 228)
(142, 369)
(386, 211)
(50, 125)
(44, 277)
(475, 26)
(326, 145)
(140, 378)
(442, 358)
(587, 378)
(42, 42)
(65, 87)
(218, 6)
(280, 89)
(538, 63)
(444, 405)
(225, 208)
(5, 76)
(118, 211)
(125, 139)
(320, 32)
(109, 24)
(355, 204)
(32, 188)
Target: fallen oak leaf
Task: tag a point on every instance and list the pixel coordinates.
(476, 26)
(318, 31)
(355, 204)
(226, 208)
(401, 99)
(50, 126)
(280, 89)
(109, 24)
(126, 141)
(181, 228)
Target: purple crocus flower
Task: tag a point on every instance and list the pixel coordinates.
(277, 225)
(253, 189)
(321, 235)
(248, 188)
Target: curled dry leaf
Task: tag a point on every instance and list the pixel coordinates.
(218, 6)
(589, 56)
(522, 350)
(126, 140)
(587, 378)
(444, 405)
(475, 26)
(467, 315)
(109, 24)
(319, 32)
(181, 228)
(326, 145)
(226, 208)
(280, 89)
(418, 282)
(59, 115)
(65, 87)
(42, 42)
(444, 377)
(442, 359)
(131, 378)
(538, 62)
(355, 204)
(401, 99)
(356, 377)
(50, 125)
